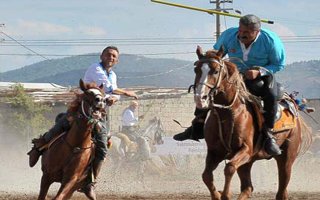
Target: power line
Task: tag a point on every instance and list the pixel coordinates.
(94, 54)
(23, 45)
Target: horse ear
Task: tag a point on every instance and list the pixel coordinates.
(82, 86)
(221, 52)
(101, 86)
(199, 52)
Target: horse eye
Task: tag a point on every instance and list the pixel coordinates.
(98, 99)
(213, 72)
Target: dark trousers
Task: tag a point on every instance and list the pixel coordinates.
(266, 88)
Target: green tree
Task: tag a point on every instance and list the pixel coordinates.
(27, 117)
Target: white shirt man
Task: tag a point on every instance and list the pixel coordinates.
(128, 115)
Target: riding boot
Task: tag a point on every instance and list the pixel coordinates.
(194, 132)
(97, 164)
(270, 145)
(35, 152)
(89, 188)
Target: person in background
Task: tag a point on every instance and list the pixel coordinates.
(258, 54)
(130, 120)
(130, 127)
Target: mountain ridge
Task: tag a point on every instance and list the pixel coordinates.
(134, 70)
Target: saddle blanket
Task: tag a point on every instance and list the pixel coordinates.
(286, 116)
(285, 122)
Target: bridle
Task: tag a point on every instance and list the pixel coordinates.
(92, 106)
(214, 89)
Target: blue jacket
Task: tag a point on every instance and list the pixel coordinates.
(266, 51)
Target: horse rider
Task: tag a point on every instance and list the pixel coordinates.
(258, 53)
(301, 103)
(100, 73)
(130, 124)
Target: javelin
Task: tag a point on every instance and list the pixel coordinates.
(206, 10)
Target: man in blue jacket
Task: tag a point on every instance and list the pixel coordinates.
(258, 54)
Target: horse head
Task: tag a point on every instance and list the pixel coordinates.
(93, 101)
(154, 131)
(213, 79)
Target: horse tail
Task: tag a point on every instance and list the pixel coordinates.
(306, 137)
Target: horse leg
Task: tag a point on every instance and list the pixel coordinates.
(244, 173)
(66, 189)
(212, 162)
(44, 187)
(284, 163)
(239, 159)
(140, 172)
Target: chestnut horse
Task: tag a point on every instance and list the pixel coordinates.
(233, 127)
(67, 160)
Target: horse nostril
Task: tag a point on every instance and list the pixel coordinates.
(204, 97)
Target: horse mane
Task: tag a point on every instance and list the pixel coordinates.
(76, 102)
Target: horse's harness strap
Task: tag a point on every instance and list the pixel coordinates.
(213, 88)
(226, 106)
(222, 139)
(77, 149)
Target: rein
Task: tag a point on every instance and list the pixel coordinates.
(83, 111)
(226, 143)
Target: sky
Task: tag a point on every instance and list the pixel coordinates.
(37, 30)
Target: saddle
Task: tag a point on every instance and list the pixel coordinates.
(287, 114)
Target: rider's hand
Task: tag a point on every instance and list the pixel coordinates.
(111, 100)
(252, 74)
(131, 94)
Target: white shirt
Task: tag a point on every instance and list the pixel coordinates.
(128, 118)
(96, 73)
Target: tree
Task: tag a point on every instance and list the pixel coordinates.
(27, 117)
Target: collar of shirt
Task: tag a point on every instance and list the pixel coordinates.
(109, 74)
(246, 51)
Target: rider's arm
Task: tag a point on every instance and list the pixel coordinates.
(276, 55)
(120, 91)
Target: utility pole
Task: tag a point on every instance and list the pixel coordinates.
(1, 25)
(218, 9)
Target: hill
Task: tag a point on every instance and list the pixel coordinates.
(303, 77)
(134, 70)
(131, 71)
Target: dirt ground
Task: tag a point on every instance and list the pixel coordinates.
(19, 182)
(258, 196)
(163, 180)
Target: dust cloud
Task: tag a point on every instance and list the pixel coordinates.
(168, 174)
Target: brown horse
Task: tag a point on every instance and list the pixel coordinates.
(68, 158)
(233, 127)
